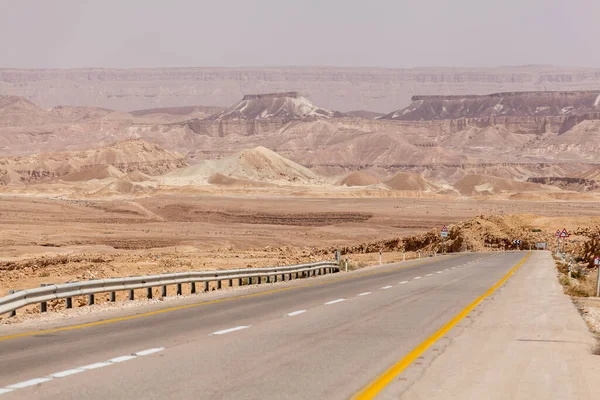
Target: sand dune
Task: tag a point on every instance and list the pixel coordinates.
(357, 178)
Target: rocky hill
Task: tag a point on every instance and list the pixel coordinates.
(273, 106)
(338, 88)
(111, 161)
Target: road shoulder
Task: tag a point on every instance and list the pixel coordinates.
(528, 341)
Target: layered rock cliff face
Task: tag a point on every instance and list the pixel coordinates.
(519, 112)
(344, 89)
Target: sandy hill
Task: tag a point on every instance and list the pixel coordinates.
(580, 143)
(408, 181)
(18, 111)
(106, 162)
(285, 106)
(102, 171)
(514, 104)
(358, 178)
(259, 164)
(477, 185)
(592, 174)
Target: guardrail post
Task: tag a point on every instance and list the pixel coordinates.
(219, 284)
(113, 297)
(193, 287)
(164, 291)
(290, 276)
(274, 278)
(43, 304)
(91, 299)
(179, 291)
(230, 283)
(149, 292)
(131, 294)
(239, 281)
(69, 301)
(206, 286)
(12, 313)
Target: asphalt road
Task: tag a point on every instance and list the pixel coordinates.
(323, 338)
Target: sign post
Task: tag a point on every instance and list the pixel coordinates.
(564, 235)
(444, 235)
(557, 234)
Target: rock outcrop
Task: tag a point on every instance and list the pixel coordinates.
(515, 104)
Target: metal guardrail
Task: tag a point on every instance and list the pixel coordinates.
(42, 295)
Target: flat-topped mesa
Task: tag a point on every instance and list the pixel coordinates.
(509, 104)
(293, 95)
(285, 106)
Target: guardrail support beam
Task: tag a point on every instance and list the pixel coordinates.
(69, 301)
(219, 284)
(113, 297)
(239, 281)
(131, 294)
(193, 287)
(179, 290)
(149, 292)
(164, 291)
(230, 282)
(91, 299)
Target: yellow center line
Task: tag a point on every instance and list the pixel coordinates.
(376, 386)
(205, 303)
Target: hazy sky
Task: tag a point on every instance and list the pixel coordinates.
(386, 33)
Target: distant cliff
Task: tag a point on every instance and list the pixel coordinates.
(514, 104)
(343, 89)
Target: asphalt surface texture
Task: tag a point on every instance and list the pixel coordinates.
(321, 338)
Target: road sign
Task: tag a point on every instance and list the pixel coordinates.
(541, 245)
(557, 234)
(564, 233)
(597, 261)
(444, 232)
(517, 241)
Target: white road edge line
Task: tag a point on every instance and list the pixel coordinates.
(403, 282)
(224, 331)
(334, 301)
(31, 382)
(386, 287)
(293, 314)
(95, 366)
(364, 294)
(68, 372)
(121, 359)
(148, 352)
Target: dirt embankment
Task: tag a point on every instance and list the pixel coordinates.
(477, 234)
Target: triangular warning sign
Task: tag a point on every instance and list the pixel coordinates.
(564, 233)
(557, 234)
(444, 229)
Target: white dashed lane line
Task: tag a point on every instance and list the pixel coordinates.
(334, 301)
(364, 294)
(386, 287)
(225, 331)
(293, 314)
(429, 275)
(417, 277)
(403, 282)
(439, 272)
(69, 372)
